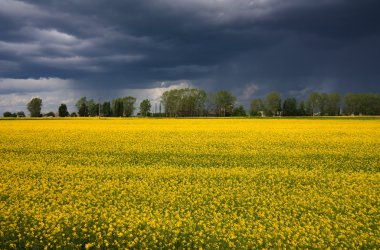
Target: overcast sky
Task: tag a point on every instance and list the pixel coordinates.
(60, 50)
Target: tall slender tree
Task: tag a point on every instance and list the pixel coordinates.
(117, 107)
(145, 107)
(273, 103)
(128, 105)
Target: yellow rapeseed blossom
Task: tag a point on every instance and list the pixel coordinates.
(189, 183)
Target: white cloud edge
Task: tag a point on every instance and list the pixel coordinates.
(16, 93)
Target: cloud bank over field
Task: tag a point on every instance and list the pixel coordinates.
(64, 49)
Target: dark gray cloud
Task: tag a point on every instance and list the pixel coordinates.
(247, 46)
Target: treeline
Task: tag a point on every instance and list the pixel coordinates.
(119, 107)
(187, 102)
(194, 102)
(316, 104)
(365, 104)
(321, 104)
(18, 114)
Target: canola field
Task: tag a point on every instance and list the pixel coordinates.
(189, 184)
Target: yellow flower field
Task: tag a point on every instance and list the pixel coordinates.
(189, 183)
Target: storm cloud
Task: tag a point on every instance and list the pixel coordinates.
(61, 50)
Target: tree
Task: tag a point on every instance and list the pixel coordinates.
(128, 105)
(210, 107)
(372, 102)
(106, 109)
(301, 109)
(200, 97)
(192, 102)
(239, 111)
(333, 104)
(362, 103)
(224, 102)
(82, 106)
(8, 114)
(62, 110)
(87, 107)
(313, 103)
(34, 107)
(123, 106)
(50, 114)
(256, 107)
(93, 108)
(117, 107)
(273, 103)
(289, 107)
(21, 114)
(171, 101)
(145, 107)
(184, 102)
(351, 104)
(323, 102)
(83, 110)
